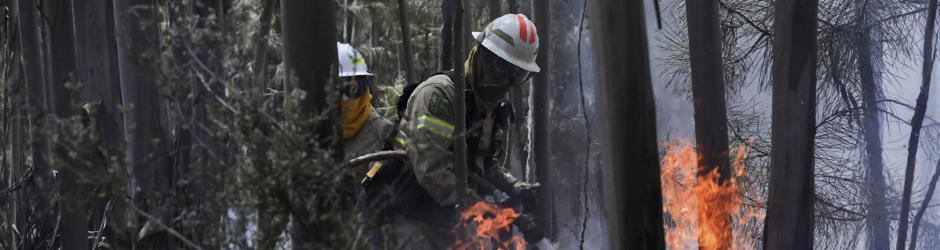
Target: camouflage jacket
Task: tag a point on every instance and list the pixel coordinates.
(426, 131)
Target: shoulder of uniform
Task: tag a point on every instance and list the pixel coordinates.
(435, 94)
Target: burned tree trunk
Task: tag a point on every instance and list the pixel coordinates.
(708, 99)
(631, 181)
(917, 122)
(459, 104)
(868, 49)
(406, 41)
(137, 53)
(309, 36)
(791, 195)
(541, 121)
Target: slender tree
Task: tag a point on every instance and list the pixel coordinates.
(309, 35)
(917, 122)
(460, 108)
(791, 195)
(406, 56)
(541, 120)
(708, 99)
(36, 192)
(631, 180)
(924, 205)
(868, 49)
(447, 34)
(137, 55)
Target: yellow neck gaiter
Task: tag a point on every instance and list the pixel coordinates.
(355, 113)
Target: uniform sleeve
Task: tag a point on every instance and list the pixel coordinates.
(426, 134)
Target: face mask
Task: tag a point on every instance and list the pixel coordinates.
(355, 113)
(492, 76)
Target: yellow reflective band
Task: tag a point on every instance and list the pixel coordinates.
(435, 126)
(400, 138)
(359, 61)
(436, 121)
(375, 169)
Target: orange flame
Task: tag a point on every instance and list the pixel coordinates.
(483, 224)
(700, 211)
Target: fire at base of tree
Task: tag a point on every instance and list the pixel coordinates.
(458, 124)
(698, 208)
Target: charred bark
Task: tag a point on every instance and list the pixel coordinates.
(917, 122)
(631, 176)
(708, 99)
(541, 122)
(460, 108)
(137, 55)
(791, 195)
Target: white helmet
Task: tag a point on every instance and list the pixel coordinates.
(513, 38)
(351, 63)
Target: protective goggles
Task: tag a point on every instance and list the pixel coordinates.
(501, 71)
(354, 87)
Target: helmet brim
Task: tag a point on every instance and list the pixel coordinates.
(348, 74)
(529, 66)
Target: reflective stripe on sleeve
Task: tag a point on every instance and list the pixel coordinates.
(435, 126)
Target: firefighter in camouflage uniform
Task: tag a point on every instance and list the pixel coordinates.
(503, 57)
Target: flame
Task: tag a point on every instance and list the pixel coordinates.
(701, 212)
(482, 226)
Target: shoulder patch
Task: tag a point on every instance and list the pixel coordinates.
(437, 104)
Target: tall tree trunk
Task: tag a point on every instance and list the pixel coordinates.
(204, 168)
(18, 212)
(513, 8)
(96, 69)
(447, 35)
(260, 60)
(460, 108)
(137, 52)
(406, 41)
(708, 99)
(541, 122)
(631, 178)
(791, 195)
(924, 205)
(309, 35)
(72, 213)
(868, 49)
(495, 8)
(32, 63)
(920, 110)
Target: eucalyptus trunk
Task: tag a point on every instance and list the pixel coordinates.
(631, 181)
(789, 223)
(147, 157)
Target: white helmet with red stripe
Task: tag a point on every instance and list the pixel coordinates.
(513, 38)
